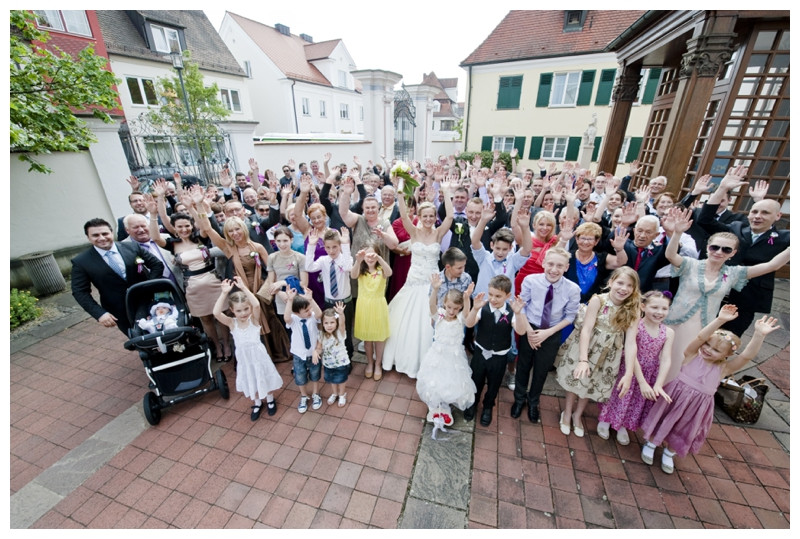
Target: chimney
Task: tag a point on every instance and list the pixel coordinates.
(306, 37)
(283, 29)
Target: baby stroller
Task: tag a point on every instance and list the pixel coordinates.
(177, 360)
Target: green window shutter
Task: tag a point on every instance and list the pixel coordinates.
(573, 147)
(536, 148)
(633, 149)
(508, 92)
(585, 89)
(651, 86)
(605, 87)
(519, 144)
(486, 144)
(596, 152)
(545, 82)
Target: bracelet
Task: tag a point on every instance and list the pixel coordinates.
(202, 215)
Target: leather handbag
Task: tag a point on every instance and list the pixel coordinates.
(742, 399)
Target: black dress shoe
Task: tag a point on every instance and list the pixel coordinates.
(469, 413)
(516, 409)
(486, 417)
(533, 414)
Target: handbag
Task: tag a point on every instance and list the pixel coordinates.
(742, 399)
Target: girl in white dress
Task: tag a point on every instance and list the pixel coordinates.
(445, 377)
(256, 375)
(410, 332)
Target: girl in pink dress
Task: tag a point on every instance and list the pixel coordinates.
(683, 417)
(641, 378)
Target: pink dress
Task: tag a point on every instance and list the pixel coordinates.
(630, 410)
(684, 423)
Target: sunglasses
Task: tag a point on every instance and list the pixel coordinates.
(726, 250)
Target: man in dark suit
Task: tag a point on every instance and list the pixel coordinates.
(138, 204)
(112, 268)
(139, 231)
(723, 214)
(759, 241)
(643, 255)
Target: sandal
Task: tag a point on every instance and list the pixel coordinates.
(378, 375)
(368, 372)
(342, 400)
(332, 398)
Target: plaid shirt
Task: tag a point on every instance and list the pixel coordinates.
(459, 284)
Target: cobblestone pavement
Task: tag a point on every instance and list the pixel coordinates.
(83, 456)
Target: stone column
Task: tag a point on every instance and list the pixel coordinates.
(377, 87)
(423, 95)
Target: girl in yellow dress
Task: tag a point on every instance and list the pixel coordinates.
(372, 311)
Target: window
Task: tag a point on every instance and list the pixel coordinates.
(230, 99)
(508, 92)
(306, 107)
(166, 39)
(555, 148)
(504, 144)
(342, 79)
(623, 151)
(248, 69)
(448, 125)
(361, 114)
(323, 110)
(143, 91)
(73, 21)
(573, 20)
(565, 89)
(344, 111)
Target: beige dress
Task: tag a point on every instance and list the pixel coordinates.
(605, 352)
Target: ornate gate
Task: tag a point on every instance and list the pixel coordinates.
(153, 152)
(404, 114)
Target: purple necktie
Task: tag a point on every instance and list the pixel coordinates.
(548, 306)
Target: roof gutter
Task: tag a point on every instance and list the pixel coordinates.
(638, 25)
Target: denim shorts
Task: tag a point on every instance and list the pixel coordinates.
(305, 370)
(336, 375)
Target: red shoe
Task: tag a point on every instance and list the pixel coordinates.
(448, 419)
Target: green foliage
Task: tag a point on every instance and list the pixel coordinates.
(23, 308)
(206, 108)
(487, 158)
(459, 128)
(46, 87)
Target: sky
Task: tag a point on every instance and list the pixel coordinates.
(410, 37)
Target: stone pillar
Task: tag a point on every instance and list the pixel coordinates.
(625, 91)
(423, 95)
(377, 87)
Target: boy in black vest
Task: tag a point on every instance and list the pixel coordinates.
(493, 320)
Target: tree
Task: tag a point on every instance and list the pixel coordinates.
(199, 130)
(47, 87)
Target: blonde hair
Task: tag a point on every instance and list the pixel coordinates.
(331, 313)
(629, 312)
(724, 236)
(232, 222)
(734, 342)
(237, 297)
(544, 214)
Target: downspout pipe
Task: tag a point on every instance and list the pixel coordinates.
(294, 110)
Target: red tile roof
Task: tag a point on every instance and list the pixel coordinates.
(524, 35)
(288, 53)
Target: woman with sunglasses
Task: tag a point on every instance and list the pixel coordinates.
(704, 283)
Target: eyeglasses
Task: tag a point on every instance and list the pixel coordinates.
(726, 250)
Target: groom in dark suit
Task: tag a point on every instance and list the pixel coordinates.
(112, 268)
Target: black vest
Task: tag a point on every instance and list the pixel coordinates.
(491, 335)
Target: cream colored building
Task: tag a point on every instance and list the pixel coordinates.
(542, 84)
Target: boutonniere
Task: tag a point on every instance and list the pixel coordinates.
(139, 264)
(772, 237)
(459, 228)
(724, 276)
(290, 265)
(503, 317)
(258, 229)
(254, 256)
(204, 252)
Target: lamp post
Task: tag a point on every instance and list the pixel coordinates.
(177, 63)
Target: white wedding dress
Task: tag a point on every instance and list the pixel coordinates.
(410, 330)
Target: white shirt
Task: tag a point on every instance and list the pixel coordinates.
(343, 263)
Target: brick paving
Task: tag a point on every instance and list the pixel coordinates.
(206, 465)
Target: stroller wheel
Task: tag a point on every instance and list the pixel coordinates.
(152, 410)
(222, 384)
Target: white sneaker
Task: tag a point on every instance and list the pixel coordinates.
(361, 347)
(667, 464)
(602, 430)
(303, 406)
(332, 398)
(316, 402)
(622, 436)
(342, 400)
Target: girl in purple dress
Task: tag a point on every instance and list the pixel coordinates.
(641, 378)
(683, 417)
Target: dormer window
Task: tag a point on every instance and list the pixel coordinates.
(70, 21)
(573, 20)
(166, 39)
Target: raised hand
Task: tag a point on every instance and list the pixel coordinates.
(728, 312)
(436, 281)
(734, 179)
(339, 308)
(681, 219)
(344, 232)
(766, 325)
(702, 185)
(643, 194)
(150, 204)
(327, 157)
(635, 166)
(479, 301)
(159, 187)
(133, 181)
(517, 304)
(488, 212)
(226, 286)
(476, 161)
(514, 153)
(620, 238)
(758, 191)
(357, 161)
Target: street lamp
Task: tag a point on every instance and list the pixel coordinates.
(177, 63)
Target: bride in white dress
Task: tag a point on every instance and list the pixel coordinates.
(410, 330)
